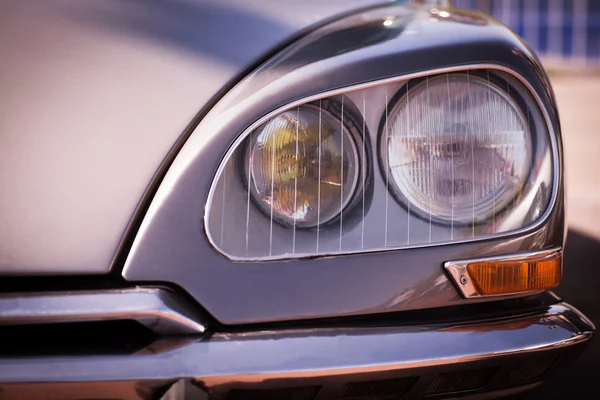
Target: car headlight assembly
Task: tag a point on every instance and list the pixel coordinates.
(302, 167)
(464, 155)
(457, 148)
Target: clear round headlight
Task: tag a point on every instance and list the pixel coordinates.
(302, 167)
(457, 148)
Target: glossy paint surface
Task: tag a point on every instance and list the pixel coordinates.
(171, 245)
(93, 96)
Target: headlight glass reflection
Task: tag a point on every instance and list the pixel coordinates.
(302, 167)
(458, 149)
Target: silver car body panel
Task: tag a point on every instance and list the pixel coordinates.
(172, 247)
(94, 94)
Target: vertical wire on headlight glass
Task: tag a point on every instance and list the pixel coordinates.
(470, 132)
(223, 207)
(493, 178)
(528, 127)
(319, 179)
(451, 160)
(296, 182)
(431, 144)
(363, 170)
(248, 201)
(342, 175)
(407, 130)
(498, 176)
(513, 123)
(387, 169)
(273, 145)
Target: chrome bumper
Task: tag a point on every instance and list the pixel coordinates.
(329, 359)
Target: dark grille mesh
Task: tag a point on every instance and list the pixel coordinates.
(461, 380)
(297, 393)
(390, 389)
(528, 371)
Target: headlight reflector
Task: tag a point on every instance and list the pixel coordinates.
(302, 167)
(458, 149)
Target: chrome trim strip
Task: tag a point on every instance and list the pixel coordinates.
(552, 132)
(457, 270)
(158, 309)
(227, 359)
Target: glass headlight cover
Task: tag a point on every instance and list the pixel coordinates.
(302, 167)
(457, 148)
(464, 155)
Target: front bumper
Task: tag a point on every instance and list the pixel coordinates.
(408, 362)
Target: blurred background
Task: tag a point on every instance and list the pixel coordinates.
(563, 32)
(566, 36)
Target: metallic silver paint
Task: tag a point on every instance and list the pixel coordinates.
(170, 247)
(457, 269)
(227, 359)
(158, 309)
(93, 96)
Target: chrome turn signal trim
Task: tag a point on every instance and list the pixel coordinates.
(158, 309)
(468, 286)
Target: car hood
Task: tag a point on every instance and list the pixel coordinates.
(96, 93)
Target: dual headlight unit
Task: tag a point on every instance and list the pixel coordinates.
(453, 156)
(454, 148)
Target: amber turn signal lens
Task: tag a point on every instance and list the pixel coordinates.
(502, 277)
